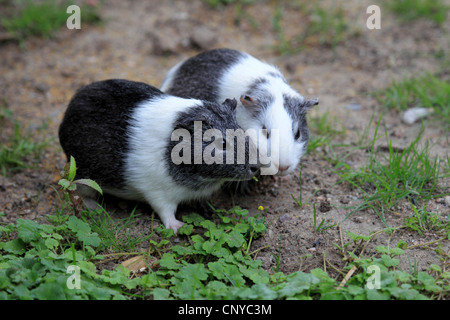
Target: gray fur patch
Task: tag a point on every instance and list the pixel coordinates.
(204, 176)
(258, 92)
(203, 73)
(277, 75)
(297, 109)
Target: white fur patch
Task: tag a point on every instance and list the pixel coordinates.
(237, 80)
(146, 164)
(168, 80)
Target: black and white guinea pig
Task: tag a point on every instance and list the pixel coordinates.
(265, 99)
(122, 135)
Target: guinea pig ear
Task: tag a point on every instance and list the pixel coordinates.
(310, 103)
(232, 103)
(249, 102)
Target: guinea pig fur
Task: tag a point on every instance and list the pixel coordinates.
(122, 135)
(265, 100)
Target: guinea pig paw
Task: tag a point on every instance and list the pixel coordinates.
(174, 224)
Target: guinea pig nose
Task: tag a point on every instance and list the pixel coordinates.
(283, 168)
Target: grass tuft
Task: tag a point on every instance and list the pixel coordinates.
(17, 145)
(43, 19)
(326, 26)
(408, 10)
(404, 174)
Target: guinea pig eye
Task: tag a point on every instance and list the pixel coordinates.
(267, 132)
(297, 134)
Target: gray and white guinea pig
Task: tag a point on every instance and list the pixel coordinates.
(120, 133)
(265, 99)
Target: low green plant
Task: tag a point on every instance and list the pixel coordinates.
(212, 262)
(211, 259)
(69, 185)
(407, 10)
(424, 221)
(35, 265)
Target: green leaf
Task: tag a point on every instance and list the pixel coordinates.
(7, 230)
(166, 233)
(160, 294)
(382, 249)
(182, 250)
(49, 291)
(402, 244)
(193, 218)
(428, 282)
(435, 268)
(222, 270)
(28, 230)
(210, 226)
(16, 246)
(51, 243)
(72, 169)
(218, 268)
(64, 183)
(90, 183)
(241, 227)
(168, 261)
(235, 239)
(212, 245)
(389, 262)
(239, 212)
(404, 292)
(355, 237)
(297, 284)
(22, 292)
(402, 276)
(195, 272)
(397, 251)
(261, 291)
(254, 274)
(83, 232)
(117, 276)
(355, 290)
(374, 294)
(186, 229)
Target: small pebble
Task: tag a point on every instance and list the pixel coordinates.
(284, 217)
(447, 201)
(204, 38)
(414, 114)
(353, 106)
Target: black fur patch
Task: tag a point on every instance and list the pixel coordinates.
(203, 176)
(94, 128)
(203, 71)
